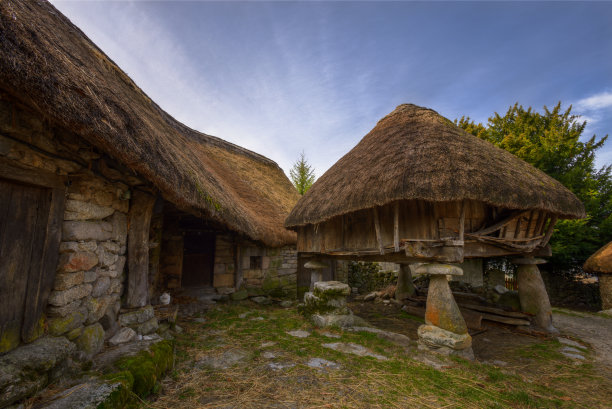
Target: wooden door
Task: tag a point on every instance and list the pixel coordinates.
(198, 259)
(24, 215)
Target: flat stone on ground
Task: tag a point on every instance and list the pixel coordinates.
(269, 355)
(225, 360)
(320, 363)
(88, 395)
(572, 356)
(279, 366)
(261, 300)
(268, 344)
(572, 343)
(355, 349)
(299, 333)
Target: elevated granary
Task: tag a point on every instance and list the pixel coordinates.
(600, 263)
(419, 189)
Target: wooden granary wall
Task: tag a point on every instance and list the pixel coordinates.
(417, 230)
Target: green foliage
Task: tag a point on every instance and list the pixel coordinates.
(367, 276)
(302, 175)
(551, 141)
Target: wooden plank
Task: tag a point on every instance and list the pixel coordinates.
(141, 210)
(396, 240)
(462, 221)
(549, 230)
(9, 170)
(529, 223)
(493, 310)
(504, 320)
(381, 246)
(42, 271)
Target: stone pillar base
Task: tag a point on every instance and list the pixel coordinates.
(432, 338)
(532, 293)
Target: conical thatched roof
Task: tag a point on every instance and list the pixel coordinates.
(48, 64)
(600, 261)
(415, 153)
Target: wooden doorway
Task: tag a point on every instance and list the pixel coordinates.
(30, 220)
(198, 259)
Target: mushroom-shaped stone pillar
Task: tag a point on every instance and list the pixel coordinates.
(445, 329)
(532, 292)
(317, 274)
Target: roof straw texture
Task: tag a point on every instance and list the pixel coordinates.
(415, 153)
(600, 261)
(49, 64)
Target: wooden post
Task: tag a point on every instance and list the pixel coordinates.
(396, 241)
(549, 231)
(141, 210)
(462, 221)
(381, 247)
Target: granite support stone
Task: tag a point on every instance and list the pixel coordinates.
(445, 330)
(405, 287)
(532, 293)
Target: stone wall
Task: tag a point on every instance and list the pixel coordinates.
(269, 271)
(89, 279)
(572, 292)
(225, 263)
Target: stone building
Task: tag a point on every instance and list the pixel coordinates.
(107, 201)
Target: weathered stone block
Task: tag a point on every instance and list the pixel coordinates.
(115, 286)
(100, 286)
(331, 288)
(265, 263)
(111, 247)
(68, 280)
(90, 276)
(86, 230)
(122, 336)
(223, 280)
(77, 247)
(249, 274)
(240, 294)
(96, 308)
(61, 298)
(60, 325)
(91, 340)
(219, 269)
(78, 210)
(71, 262)
(136, 317)
(74, 334)
(119, 264)
(106, 258)
(64, 310)
(147, 327)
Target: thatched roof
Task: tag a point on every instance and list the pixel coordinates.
(50, 65)
(600, 261)
(415, 153)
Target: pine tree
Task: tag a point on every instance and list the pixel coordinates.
(302, 175)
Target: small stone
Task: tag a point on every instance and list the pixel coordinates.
(386, 302)
(572, 350)
(370, 297)
(96, 308)
(268, 355)
(78, 210)
(355, 349)
(573, 356)
(572, 343)
(78, 246)
(299, 333)
(199, 320)
(111, 247)
(100, 287)
(330, 334)
(64, 310)
(500, 289)
(61, 325)
(124, 335)
(136, 317)
(286, 304)
(225, 360)
(75, 333)
(85, 231)
(90, 276)
(68, 280)
(279, 366)
(91, 340)
(258, 319)
(72, 262)
(243, 315)
(61, 298)
(241, 294)
(320, 363)
(267, 344)
(499, 363)
(148, 327)
(261, 300)
(178, 329)
(106, 258)
(435, 337)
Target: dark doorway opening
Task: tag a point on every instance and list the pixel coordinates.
(198, 259)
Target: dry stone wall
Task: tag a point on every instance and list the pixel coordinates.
(269, 271)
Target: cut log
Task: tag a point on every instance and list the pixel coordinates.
(496, 311)
(505, 320)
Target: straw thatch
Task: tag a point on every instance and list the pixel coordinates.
(48, 64)
(601, 261)
(415, 153)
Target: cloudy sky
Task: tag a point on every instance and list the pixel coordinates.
(284, 77)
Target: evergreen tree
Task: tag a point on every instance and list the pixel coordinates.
(551, 142)
(302, 175)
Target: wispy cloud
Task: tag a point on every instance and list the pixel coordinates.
(595, 102)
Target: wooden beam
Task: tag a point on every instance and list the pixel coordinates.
(462, 221)
(12, 171)
(549, 230)
(396, 240)
(381, 247)
(141, 210)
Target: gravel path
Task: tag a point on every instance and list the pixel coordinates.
(595, 330)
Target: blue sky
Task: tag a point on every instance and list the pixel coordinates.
(284, 77)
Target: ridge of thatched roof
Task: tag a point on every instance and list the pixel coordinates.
(47, 63)
(600, 261)
(415, 153)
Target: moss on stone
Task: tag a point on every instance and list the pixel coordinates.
(74, 334)
(37, 331)
(9, 339)
(148, 366)
(60, 325)
(122, 394)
